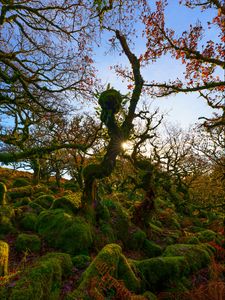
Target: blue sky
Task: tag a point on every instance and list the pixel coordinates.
(184, 109)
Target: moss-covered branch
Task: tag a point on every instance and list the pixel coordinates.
(8, 157)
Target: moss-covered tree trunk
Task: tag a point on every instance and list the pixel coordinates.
(3, 191)
(110, 102)
(4, 255)
(36, 168)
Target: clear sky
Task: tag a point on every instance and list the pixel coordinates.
(184, 109)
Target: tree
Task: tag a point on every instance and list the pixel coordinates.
(203, 59)
(110, 102)
(45, 58)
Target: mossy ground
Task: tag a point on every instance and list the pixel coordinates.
(111, 258)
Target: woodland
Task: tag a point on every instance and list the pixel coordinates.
(118, 203)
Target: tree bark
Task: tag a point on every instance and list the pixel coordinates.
(117, 133)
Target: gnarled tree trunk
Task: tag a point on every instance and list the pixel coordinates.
(110, 102)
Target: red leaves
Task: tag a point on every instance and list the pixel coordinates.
(220, 251)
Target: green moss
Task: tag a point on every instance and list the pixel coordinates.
(109, 260)
(159, 272)
(208, 236)
(70, 185)
(103, 235)
(64, 231)
(196, 229)
(64, 260)
(28, 221)
(81, 261)
(40, 189)
(102, 212)
(44, 280)
(110, 100)
(20, 192)
(136, 239)
(151, 249)
(91, 171)
(30, 242)
(6, 214)
(189, 240)
(149, 296)
(22, 202)
(4, 256)
(20, 182)
(6, 225)
(3, 191)
(197, 256)
(155, 229)
(70, 202)
(45, 201)
(36, 207)
(110, 204)
(120, 222)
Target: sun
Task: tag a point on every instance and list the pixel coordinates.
(127, 146)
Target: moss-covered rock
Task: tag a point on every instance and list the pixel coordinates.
(110, 263)
(119, 220)
(151, 249)
(4, 256)
(43, 281)
(150, 296)
(70, 202)
(20, 182)
(36, 207)
(6, 214)
(208, 236)
(102, 212)
(30, 242)
(159, 272)
(45, 201)
(28, 221)
(22, 202)
(197, 256)
(104, 235)
(81, 261)
(136, 239)
(64, 231)
(20, 192)
(189, 240)
(71, 185)
(3, 191)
